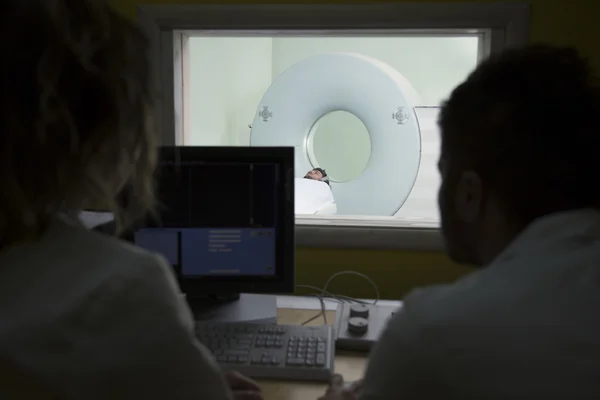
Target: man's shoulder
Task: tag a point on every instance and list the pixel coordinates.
(417, 339)
(462, 302)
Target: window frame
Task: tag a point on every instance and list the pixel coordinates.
(503, 25)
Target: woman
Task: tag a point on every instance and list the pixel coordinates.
(83, 315)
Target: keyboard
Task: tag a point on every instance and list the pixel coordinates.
(260, 351)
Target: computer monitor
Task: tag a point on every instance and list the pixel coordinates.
(225, 219)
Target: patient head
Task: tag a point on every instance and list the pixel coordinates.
(75, 127)
(317, 174)
(520, 140)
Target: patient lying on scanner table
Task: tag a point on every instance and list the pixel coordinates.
(313, 194)
(317, 174)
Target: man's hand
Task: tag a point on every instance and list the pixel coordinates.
(243, 388)
(337, 390)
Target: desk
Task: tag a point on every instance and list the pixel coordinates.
(350, 365)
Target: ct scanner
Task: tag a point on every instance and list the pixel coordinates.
(373, 91)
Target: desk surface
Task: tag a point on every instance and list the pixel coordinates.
(350, 365)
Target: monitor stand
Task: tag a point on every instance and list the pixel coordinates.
(254, 308)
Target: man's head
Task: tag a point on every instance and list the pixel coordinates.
(74, 122)
(317, 174)
(520, 140)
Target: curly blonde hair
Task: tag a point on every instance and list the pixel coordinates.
(75, 116)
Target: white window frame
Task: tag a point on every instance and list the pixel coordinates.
(502, 25)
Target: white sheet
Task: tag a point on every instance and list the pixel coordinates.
(313, 197)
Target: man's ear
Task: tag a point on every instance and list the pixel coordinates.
(469, 197)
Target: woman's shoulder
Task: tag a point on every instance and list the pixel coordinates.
(66, 249)
(108, 297)
(98, 272)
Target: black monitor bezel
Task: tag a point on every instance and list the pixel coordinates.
(283, 281)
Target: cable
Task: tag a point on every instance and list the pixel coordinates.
(327, 294)
(321, 301)
(324, 293)
(319, 314)
(373, 284)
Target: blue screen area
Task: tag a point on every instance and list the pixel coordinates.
(213, 251)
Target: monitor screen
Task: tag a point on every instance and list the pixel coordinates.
(225, 218)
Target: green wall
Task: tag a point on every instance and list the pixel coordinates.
(573, 23)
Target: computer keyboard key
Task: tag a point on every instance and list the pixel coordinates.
(271, 352)
(320, 359)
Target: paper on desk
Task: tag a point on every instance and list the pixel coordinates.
(91, 219)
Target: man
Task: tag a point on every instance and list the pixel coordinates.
(519, 196)
(317, 174)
